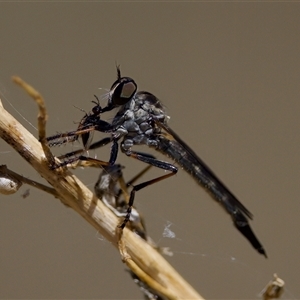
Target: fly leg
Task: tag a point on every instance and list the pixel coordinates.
(96, 162)
(148, 159)
(72, 157)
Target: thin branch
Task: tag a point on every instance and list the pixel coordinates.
(126, 258)
(72, 192)
(274, 289)
(16, 180)
(42, 116)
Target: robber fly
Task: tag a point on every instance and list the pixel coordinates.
(141, 120)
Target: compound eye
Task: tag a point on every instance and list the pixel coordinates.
(123, 91)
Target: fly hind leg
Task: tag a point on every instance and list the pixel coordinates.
(151, 160)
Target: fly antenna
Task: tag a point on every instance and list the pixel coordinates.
(98, 101)
(118, 72)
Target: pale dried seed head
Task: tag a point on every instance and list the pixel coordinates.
(8, 184)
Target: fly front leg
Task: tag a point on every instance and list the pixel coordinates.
(113, 156)
(148, 159)
(75, 156)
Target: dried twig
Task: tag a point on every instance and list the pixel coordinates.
(15, 181)
(42, 116)
(274, 289)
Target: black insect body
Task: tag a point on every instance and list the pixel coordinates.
(141, 120)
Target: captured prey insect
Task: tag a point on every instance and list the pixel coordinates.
(87, 125)
(141, 120)
(112, 190)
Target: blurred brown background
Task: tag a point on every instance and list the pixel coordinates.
(228, 74)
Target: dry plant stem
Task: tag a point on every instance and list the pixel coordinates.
(72, 192)
(274, 289)
(142, 275)
(42, 116)
(51, 191)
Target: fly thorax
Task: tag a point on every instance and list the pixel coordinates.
(126, 145)
(131, 105)
(131, 126)
(129, 115)
(144, 127)
(120, 131)
(141, 115)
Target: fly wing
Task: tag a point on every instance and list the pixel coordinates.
(178, 150)
(212, 182)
